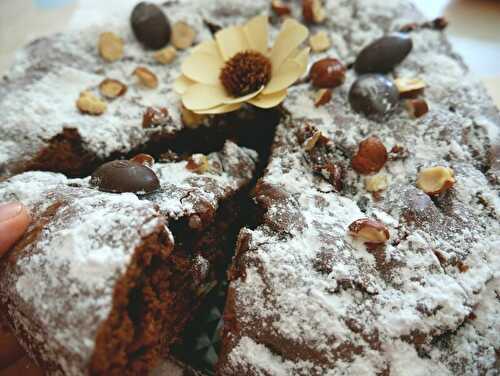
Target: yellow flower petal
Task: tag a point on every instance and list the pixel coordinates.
(182, 83)
(220, 109)
(202, 67)
(244, 98)
(209, 47)
(202, 97)
(256, 31)
(291, 35)
(286, 75)
(302, 57)
(231, 41)
(268, 101)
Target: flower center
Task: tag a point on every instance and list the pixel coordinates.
(245, 73)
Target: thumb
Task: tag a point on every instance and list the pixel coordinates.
(14, 220)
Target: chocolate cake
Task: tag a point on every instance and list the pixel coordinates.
(103, 283)
(371, 246)
(307, 295)
(43, 129)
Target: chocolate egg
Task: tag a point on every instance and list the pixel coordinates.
(125, 176)
(150, 25)
(382, 55)
(373, 95)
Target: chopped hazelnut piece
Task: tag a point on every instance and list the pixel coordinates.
(320, 41)
(183, 35)
(146, 77)
(110, 46)
(376, 183)
(280, 8)
(144, 159)
(313, 11)
(112, 88)
(198, 163)
(165, 55)
(369, 231)
(417, 107)
(310, 143)
(371, 156)
(154, 117)
(191, 119)
(435, 180)
(409, 87)
(323, 96)
(88, 103)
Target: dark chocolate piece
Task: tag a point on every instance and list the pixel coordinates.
(150, 25)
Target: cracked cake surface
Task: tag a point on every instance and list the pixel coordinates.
(62, 283)
(307, 298)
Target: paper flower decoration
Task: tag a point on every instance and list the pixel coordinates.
(237, 67)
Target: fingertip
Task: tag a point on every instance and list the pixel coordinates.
(14, 221)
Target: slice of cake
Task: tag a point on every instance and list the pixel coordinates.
(76, 99)
(103, 283)
(378, 251)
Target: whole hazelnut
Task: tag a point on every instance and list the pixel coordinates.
(327, 73)
(371, 156)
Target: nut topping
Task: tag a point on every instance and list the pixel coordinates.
(409, 87)
(165, 55)
(417, 107)
(110, 46)
(323, 96)
(146, 77)
(198, 163)
(154, 117)
(183, 35)
(112, 88)
(435, 180)
(280, 8)
(320, 41)
(310, 143)
(369, 231)
(313, 11)
(376, 183)
(371, 156)
(88, 103)
(144, 159)
(327, 73)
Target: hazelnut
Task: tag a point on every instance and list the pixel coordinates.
(110, 46)
(154, 117)
(146, 77)
(310, 142)
(435, 180)
(88, 103)
(313, 11)
(198, 163)
(112, 88)
(409, 87)
(191, 119)
(165, 55)
(327, 73)
(280, 8)
(371, 156)
(319, 42)
(323, 96)
(144, 159)
(369, 231)
(183, 35)
(417, 107)
(376, 183)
